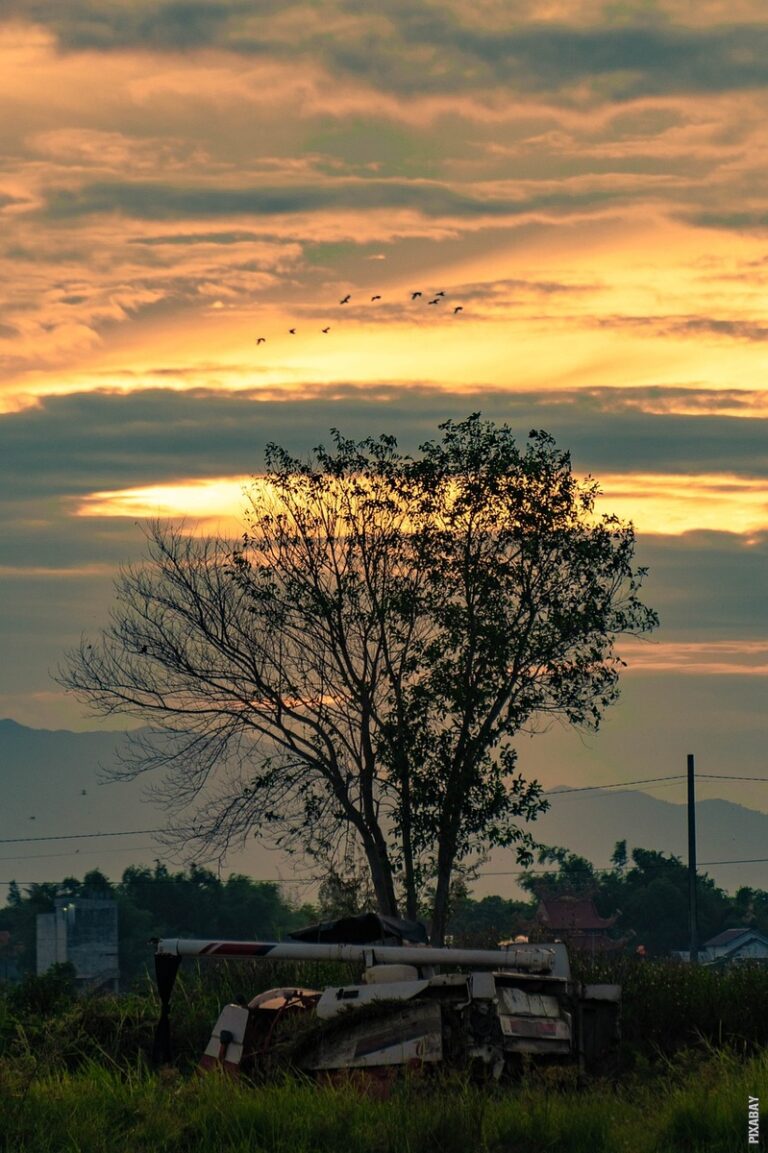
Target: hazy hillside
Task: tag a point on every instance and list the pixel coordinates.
(51, 787)
(590, 823)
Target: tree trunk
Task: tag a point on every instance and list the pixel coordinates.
(441, 905)
(381, 873)
(411, 904)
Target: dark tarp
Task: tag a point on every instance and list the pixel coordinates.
(365, 929)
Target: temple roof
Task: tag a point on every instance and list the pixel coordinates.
(572, 913)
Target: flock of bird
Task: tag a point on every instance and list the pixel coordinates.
(438, 298)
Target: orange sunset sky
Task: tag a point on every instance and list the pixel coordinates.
(585, 179)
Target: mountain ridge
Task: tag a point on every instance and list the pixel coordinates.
(55, 789)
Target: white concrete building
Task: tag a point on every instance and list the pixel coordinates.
(82, 931)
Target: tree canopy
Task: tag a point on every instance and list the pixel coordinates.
(349, 678)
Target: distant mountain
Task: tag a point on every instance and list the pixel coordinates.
(51, 787)
(590, 824)
(54, 787)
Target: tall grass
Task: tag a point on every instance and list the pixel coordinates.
(76, 1078)
(97, 1110)
(667, 1006)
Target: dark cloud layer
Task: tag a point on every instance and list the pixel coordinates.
(706, 585)
(115, 440)
(424, 48)
(161, 201)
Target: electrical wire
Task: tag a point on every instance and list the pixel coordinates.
(726, 777)
(618, 785)
(78, 836)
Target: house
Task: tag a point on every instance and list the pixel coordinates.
(731, 946)
(576, 921)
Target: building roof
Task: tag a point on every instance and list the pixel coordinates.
(729, 936)
(572, 913)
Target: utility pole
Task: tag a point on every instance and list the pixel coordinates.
(692, 917)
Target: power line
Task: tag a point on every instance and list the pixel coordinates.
(482, 873)
(78, 836)
(557, 792)
(727, 777)
(87, 853)
(154, 881)
(619, 784)
(738, 861)
(604, 868)
(664, 783)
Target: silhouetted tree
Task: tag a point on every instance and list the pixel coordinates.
(356, 671)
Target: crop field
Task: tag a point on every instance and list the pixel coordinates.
(701, 1106)
(75, 1077)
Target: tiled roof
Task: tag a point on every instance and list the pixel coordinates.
(572, 913)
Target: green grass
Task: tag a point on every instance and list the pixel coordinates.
(99, 1109)
(667, 1006)
(75, 1078)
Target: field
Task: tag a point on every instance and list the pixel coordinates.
(75, 1078)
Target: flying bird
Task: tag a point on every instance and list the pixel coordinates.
(292, 331)
(458, 308)
(346, 299)
(328, 329)
(435, 301)
(414, 295)
(261, 340)
(375, 298)
(440, 293)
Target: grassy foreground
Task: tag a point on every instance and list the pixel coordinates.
(699, 1107)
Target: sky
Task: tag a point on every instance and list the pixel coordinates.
(184, 181)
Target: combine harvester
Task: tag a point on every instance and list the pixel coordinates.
(508, 1005)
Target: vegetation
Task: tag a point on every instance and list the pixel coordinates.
(97, 1110)
(158, 903)
(75, 1075)
(688, 1109)
(351, 678)
(649, 893)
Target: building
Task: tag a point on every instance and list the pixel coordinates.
(576, 921)
(83, 932)
(730, 947)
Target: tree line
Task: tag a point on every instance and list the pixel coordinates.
(647, 889)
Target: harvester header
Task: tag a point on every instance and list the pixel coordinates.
(534, 959)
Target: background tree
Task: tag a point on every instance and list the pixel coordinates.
(648, 891)
(353, 675)
(652, 895)
(160, 903)
(575, 876)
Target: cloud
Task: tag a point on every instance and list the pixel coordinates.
(177, 25)
(108, 440)
(751, 221)
(55, 566)
(162, 201)
(426, 49)
(698, 658)
(707, 587)
(693, 326)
